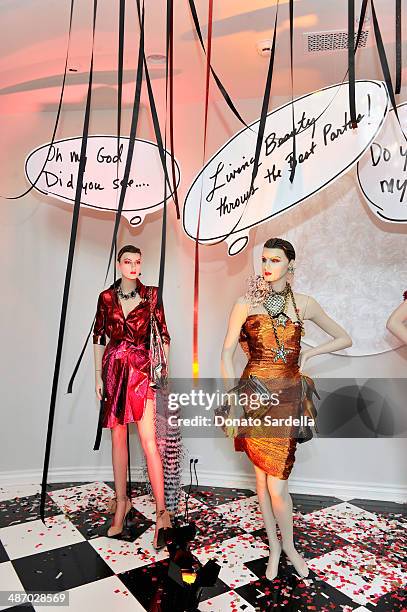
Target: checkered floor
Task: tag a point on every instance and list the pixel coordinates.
(356, 551)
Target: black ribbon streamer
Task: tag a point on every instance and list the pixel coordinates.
(398, 47)
(136, 106)
(58, 111)
(169, 80)
(351, 62)
(294, 153)
(385, 65)
(162, 153)
(264, 111)
(129, 158)
(74, 227)
(218, 82)
(262, 123)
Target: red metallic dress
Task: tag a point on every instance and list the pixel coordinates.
(126, 361)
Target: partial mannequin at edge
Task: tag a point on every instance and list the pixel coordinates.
(396, 321)
(272, 342)
(122, 380)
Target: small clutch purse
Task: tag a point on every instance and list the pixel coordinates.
(158, 359)
(308, 408)
(247, 386)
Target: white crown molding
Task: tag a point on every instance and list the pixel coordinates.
(344, 490)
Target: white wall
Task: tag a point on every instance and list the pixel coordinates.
(33, 245)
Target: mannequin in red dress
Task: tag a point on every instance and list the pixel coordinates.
(122, 379)
(396, 322)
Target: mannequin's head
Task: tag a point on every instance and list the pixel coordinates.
(129, 262)
(276, 257)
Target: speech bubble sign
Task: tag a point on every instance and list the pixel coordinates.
(326, 145)
(382, 171)
(102, 181)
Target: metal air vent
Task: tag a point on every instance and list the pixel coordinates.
(330, 40)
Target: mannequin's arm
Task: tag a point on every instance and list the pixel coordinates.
(98, 350)
(395, 323)
(237, 317)
(99, 345)
(341, 338)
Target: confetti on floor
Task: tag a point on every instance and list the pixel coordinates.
(356, 551)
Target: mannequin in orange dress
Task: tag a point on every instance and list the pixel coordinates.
(278, 357)
(396, 321)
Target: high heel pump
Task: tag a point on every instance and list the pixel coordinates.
(159, 540)
(129, 515)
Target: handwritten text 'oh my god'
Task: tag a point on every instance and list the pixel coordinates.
(55, 155)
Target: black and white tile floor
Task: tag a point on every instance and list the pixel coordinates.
(356, 551)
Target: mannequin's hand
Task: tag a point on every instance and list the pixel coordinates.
(232, 430)
(98, 385)
(303, 358)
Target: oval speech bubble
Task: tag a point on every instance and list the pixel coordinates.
(326, 146)
(102, 182)
(382, 171)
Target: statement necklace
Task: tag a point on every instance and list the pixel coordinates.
(275, 304)
(126, 296)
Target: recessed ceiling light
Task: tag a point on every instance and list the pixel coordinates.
(156, 58)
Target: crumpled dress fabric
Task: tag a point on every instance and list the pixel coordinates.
(274, 452)
(126, 375)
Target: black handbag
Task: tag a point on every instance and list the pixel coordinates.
(254, 385)
(308, 409)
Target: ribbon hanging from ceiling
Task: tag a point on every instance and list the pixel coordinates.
(351, 62)
(385, 65)
(294, 152)
(397, 88)
(68, 273)
(142, 63)
(126, 174)
(218, 82)
(61, 97)
(169, 85)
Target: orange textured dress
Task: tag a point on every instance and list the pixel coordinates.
(275, 452)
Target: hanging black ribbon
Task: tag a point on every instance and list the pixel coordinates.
(162, 153)
(398, 47)
(136, 106)
(129, 158)
(260, 133)
(169, 83)
(74, 227)
(385, 65)
(264, 111)
(58, 111)
(218, 82)
(294, 152)
(351, 62)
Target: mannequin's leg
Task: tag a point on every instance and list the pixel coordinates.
(146, 428)
(119, 460)
(269, 522)
(283, 511)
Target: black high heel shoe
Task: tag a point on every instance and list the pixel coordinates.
(129, 515)
(159, 540)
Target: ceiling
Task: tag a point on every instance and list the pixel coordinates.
(34, 37)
